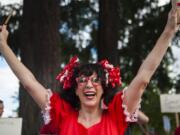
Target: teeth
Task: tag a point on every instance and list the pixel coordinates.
(90, 94)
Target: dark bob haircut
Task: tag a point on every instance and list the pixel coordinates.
(69, 95)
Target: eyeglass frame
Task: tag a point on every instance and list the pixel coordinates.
(92, 79)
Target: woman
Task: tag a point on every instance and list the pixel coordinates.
(88, 85)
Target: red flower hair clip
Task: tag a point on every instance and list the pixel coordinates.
(113, 76)
(65, 76)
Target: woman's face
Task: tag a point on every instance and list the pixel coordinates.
(89, 90)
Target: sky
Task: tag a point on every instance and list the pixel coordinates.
(8, 88)
(5, 2)
(9, 84)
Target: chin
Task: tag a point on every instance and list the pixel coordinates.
(91, 103)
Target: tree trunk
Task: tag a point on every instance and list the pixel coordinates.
(108, 30)
(40, 52)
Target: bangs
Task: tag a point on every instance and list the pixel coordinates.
(89, 69)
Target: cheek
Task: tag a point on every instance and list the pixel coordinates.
(79, 89)
(100, 89)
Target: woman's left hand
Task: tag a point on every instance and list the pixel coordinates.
(172, 23)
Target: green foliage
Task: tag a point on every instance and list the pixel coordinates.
(78, 21)
(140, 26)
(13, 25)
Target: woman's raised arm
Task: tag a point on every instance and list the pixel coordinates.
(33, 87)
(150, 64)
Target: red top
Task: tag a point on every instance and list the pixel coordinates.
(64, 119)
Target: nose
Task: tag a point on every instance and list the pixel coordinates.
(89, 84)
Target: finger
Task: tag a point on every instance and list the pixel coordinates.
(173, 3)
(173, 10)
(4, 26)
(170, 13)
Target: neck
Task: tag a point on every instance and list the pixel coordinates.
(89, 117)
(89, 113)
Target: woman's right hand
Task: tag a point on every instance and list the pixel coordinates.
(27, 79)
(3, 35)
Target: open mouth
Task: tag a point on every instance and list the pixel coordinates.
(89, 94)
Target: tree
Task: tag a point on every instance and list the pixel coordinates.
(139, 27)
(144, 23)
(39, 51)
(78, 29)
(124, 32)
(108, 30)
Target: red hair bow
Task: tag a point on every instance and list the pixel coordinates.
(112, 73)
(65, 76)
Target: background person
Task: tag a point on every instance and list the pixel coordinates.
(1, 108)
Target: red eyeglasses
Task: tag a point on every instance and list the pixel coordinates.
(84, 80)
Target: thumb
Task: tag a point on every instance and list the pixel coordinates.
(4, 26)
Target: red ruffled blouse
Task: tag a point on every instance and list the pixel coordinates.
(61, 119)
